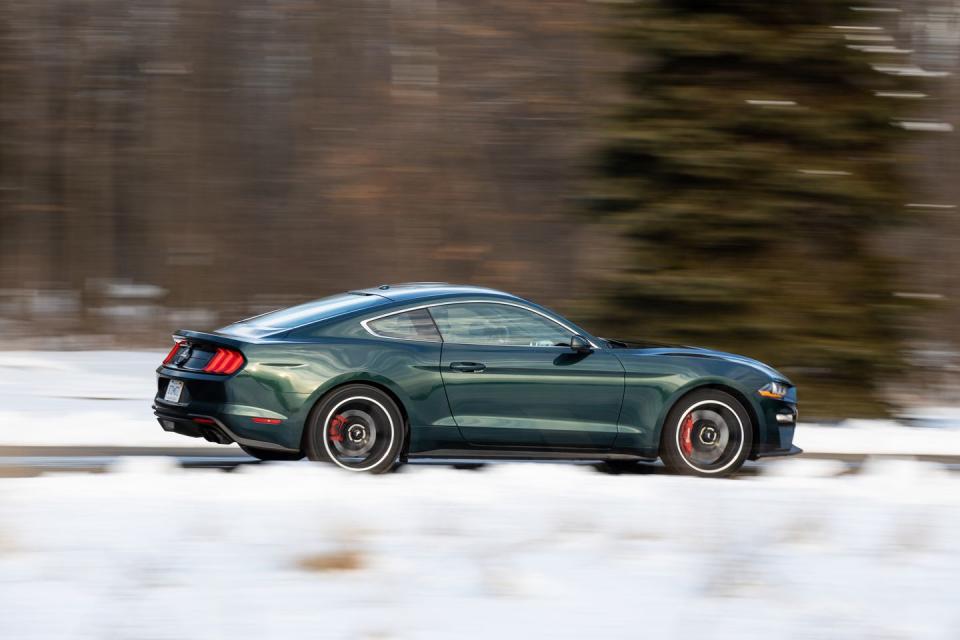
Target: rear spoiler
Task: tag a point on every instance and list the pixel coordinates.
(210, 338)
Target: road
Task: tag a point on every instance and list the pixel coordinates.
(24, 461)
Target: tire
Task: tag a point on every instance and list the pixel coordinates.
(358, 428)
(269, 455)
(707, 433)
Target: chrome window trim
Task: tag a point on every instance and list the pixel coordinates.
(396, 313)
(365, 325)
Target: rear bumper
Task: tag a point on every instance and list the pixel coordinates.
(243, 408)
(181, 420)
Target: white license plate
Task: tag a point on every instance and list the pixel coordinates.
(174, 389)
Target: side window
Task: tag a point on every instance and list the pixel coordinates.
(497, 324)
(410, 325)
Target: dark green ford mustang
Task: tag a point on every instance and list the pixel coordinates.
(370, 378)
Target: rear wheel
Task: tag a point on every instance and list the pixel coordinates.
(270, 454)
(707, 433)
(357, 428)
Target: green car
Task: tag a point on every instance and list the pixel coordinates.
(372, 378)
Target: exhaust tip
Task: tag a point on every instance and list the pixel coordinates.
(215, 435)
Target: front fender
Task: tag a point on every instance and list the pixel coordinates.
(656, 382)
(750, 401)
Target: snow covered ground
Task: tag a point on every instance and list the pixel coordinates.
(102, 398)
(879, 437)
(294, 550)
(151, 551)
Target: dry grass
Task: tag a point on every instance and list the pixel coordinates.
(342, 560)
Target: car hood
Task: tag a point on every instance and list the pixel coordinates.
(649, 349)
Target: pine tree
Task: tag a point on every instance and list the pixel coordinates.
(748, 170)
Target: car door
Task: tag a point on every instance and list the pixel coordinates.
(512, 379)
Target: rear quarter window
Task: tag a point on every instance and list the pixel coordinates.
(409, 325)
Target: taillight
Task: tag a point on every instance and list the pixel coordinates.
(173, 352)
(225, 361)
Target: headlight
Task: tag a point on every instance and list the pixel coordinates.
(773, 390)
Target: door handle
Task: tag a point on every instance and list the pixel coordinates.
(468, 367)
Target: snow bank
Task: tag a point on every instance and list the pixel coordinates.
(879, 437)
(103, 398)
(534, 551)
(82, 398)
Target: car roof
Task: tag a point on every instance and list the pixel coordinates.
(413, 291)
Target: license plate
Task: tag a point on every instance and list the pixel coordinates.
(174, 389)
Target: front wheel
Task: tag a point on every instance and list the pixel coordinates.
(358, 428)
(707, 433)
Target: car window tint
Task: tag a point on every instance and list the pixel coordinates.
(497, 324)
(412, 325)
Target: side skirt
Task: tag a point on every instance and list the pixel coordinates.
(474, 455)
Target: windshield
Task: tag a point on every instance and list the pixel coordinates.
(302, 314)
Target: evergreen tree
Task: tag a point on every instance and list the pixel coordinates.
(748, 169)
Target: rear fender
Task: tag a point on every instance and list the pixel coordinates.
(360, 377)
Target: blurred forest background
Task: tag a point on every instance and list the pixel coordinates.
(777, 179)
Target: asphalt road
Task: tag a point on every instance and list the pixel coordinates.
(19, 461)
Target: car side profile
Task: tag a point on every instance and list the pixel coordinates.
(371, 378)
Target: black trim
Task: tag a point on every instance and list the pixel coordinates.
(520, 454)
(778, 453)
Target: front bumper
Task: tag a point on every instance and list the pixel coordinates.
(772, 453)
(778, 424)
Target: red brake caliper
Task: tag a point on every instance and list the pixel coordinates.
(686, 429)
(336, 428)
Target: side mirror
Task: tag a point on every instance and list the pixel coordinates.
(579, 344)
